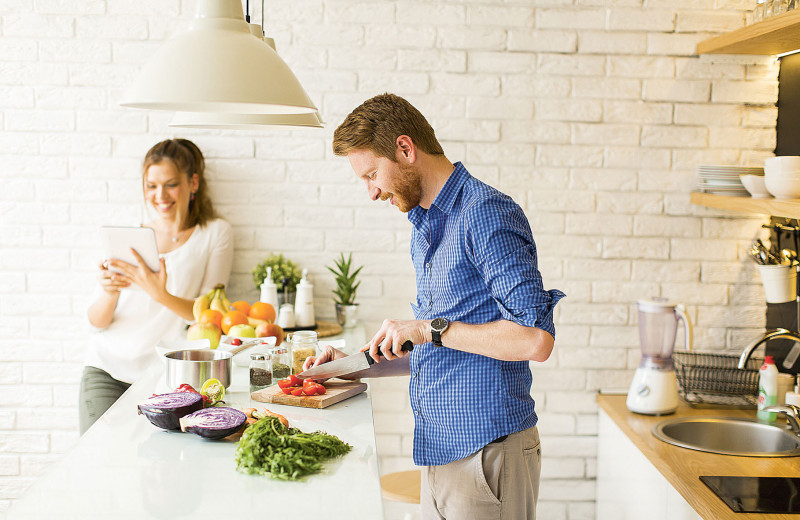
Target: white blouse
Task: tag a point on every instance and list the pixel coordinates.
(126, 347)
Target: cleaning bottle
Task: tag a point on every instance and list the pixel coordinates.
(794, 397)
(767, 389)
(304, 303)
(269, 290)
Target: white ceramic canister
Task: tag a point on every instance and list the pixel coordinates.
(304, 303)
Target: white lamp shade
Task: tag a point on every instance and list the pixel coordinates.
(218, 120)
(218, 66)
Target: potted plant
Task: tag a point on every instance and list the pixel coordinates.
(285, 274)
(346, 286)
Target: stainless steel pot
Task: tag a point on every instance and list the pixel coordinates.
(195, 367)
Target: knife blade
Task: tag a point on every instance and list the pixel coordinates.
(346, 365)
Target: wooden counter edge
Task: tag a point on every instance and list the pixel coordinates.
(682, 467)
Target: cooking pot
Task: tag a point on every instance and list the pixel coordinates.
(195, 367)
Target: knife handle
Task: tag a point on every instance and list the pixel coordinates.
(407, 347)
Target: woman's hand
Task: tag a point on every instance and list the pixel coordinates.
(391, 336)
(153, 283)
(111, 282)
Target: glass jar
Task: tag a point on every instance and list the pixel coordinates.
(304, 344)
(281, 364)
(260, 371)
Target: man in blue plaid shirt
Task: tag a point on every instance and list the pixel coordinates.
(481, 315)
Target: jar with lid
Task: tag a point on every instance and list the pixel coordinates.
(281, 364)
(304, 344)
(260, 371)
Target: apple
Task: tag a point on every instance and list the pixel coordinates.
(242, 331)
(265, 330)
(205, 330)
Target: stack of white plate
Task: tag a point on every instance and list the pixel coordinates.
(724, 180)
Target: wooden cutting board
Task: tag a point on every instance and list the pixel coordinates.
(336, 391)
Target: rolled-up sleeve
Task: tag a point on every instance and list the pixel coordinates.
(501, 246)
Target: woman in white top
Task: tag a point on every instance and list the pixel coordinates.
(135, 307)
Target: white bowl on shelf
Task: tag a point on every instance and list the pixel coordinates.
(782, 165)
(755, 185)
(783, 186)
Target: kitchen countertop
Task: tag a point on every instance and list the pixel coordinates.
(683, 467)
(126, 468)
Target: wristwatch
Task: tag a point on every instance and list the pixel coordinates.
(438, 326)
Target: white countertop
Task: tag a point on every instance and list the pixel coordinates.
(126, 468)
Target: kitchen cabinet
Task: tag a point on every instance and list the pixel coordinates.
(774, 207)
(775, 35)
(657, 466)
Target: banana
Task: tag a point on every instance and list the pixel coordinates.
(217, 302)
(202, 303)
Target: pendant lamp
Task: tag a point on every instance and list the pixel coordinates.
(229, 121)
(218, 66)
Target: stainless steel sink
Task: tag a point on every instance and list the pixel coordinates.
(728, 436)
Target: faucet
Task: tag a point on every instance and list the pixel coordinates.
(791, 412)
(775, 334)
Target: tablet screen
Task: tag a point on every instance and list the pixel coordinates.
(120, 239)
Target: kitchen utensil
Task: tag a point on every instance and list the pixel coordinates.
(346, 365)
(195, 367)
(335, 391)
(755, 185)
(654, 389)
(779, 281)
(713, 378)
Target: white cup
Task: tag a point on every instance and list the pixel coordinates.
(785, 384)
(780, 282)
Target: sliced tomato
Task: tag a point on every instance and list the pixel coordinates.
(285, 383)
(296, 381)
(287, 390)
(297, 391)
(320, 389)
(310, 390)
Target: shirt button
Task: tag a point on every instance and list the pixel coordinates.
(417, 413)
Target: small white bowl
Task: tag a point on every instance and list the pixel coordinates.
(783, 164)
(755, 184)
(783, 187)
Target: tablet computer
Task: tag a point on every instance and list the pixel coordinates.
(119, 240)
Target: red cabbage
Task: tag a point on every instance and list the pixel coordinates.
(213, 423)
(165, 410)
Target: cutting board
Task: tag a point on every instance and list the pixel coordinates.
(336, 391)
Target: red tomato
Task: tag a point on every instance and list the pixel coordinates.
(297, 391)
(295, 380)
(287, 390)
(285, 383)
(308, 382)
(310, 390)
(321, 390)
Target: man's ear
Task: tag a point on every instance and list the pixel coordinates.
(405, 149)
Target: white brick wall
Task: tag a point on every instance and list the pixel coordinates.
(593, 114)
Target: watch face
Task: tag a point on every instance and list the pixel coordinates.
(439, 324)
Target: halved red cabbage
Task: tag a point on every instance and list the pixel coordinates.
(165, 410)
(213, 423)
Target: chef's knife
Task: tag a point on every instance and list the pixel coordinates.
(346, 365)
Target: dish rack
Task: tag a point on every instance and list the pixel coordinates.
(709, 378)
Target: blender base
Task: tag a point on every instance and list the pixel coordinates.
(653, 392)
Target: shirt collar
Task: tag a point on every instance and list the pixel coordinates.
(446, 198)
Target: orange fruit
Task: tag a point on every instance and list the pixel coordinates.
(232, 318)
(262, 311)
(211, 316)
(241, 306)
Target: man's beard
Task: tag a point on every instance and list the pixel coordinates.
(407, 189)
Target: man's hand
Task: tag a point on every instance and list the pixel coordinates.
(393, 333)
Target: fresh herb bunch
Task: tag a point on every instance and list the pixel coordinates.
(346, 284)
(282, 268)
(269, 448)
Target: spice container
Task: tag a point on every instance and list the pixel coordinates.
(260, 371)
(304, 344)
(281, 365)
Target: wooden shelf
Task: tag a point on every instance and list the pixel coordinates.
(779, 208)
(775, 35)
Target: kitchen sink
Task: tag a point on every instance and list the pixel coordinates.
(728, 436)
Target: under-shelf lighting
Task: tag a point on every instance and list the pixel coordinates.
(218, 66)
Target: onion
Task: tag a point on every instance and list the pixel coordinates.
(165, 410)
(213, 423)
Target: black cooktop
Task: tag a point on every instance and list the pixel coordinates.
(757, 494)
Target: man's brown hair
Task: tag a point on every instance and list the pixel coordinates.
(376, 124)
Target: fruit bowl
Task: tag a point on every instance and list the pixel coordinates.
(242, 359)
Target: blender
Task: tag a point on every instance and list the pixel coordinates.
(654, 389)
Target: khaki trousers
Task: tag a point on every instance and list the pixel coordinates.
(498, 482)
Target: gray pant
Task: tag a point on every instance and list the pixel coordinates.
(97, 393)
(500, 481)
